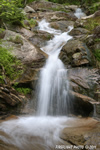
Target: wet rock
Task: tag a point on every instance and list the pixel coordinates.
(97, 32)
(82, 105)
(84, 81)
(75, 53)
(45, 6)
(71, 7)
(26, 23)
(25, 32)
(78, 31)
(10, 101)
(40, 38)
(22, 48)
(57, 16)
(62, 25)
(28, 9)
(79, 23)
(84, 131)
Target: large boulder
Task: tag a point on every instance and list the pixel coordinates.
(29, 9)
(56, 16)
(82, 133)
(62, 25)
(78, 31)
(10, 100)
(22, 48)
(71, 7)
(75, 53)
(46, 6)
(84, 81)
(31, 56)
(40, 38)
(81, 104)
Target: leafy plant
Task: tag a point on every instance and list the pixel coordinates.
(97, 40)
(32, 22)
(2, 30)
(23, 90)
(10, 63)
(10, 11)
(1, 79)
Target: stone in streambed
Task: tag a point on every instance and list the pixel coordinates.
(75, 53)
(84, 131)
(62, 25)
(81, 104)
(10, 102)
(40, 38)
(84, 81)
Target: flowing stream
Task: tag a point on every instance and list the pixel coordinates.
(41, 132)
(54, 86)
(78, 13)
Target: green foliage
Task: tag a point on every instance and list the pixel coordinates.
(10, 63)
(2, 30)
(23, 90)
(29, 1)
(94, 7)
(91, 24)
(97, 54)
(10, 11)
(97, 40)
(1, 79)
(32, 22)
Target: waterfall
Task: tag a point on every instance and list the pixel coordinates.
(78, 13)
(54, 86)
(42, 132)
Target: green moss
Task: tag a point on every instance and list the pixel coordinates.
(92, 23)
(10, 64)
(97, 40)
(97, 54)
(16, 40)
(2, 30)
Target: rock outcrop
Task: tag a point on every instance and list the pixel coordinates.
(75, 53)
(82, 132)
(10, 100)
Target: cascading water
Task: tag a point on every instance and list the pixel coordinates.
(54, 86)
(42, 132)
(78, 13)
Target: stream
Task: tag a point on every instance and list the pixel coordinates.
(42, 132)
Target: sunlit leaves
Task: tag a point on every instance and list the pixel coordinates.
(10, 11)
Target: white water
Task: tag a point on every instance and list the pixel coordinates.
(42, 132)
(54, 86)
(79, 14)
(33, 133)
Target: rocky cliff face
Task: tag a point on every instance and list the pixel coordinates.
(77, 54)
